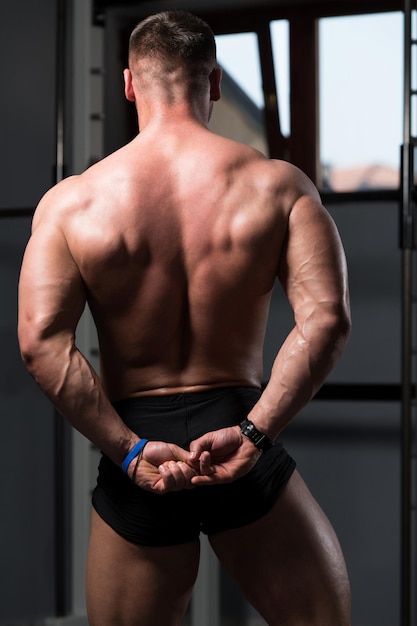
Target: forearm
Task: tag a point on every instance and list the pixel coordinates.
(71, 384)
(299, 370)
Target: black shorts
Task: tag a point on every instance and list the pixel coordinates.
(145, 518)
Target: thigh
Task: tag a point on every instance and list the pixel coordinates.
(132, 585)
(289, 564)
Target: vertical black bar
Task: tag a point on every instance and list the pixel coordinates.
(406, 234)
(405, 441)
(407, 206)
(62, 541)
(62, 518)
(60, 87)
(277, 144)
(303, 79)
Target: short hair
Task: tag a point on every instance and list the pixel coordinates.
(176, 36)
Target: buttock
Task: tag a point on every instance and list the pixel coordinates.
(145, 518)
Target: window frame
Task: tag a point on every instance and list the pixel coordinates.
(302, 146)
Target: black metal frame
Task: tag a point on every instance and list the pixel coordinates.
(63, 526)
(408, 246)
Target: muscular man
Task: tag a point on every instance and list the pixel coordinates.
(175, 242)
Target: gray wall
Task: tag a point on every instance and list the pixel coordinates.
(27, 575)
(27, 139)
(27, 105)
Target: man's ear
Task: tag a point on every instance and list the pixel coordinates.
(129, 92)
(215, 79)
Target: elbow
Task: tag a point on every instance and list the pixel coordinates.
(30, 347)
(46, 357)
(326, 329)
(35, 346)
(338, 326)
(29, 358)
(344, 319)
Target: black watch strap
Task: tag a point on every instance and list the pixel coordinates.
(260, 440)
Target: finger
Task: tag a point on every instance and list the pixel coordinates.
(205, 464)
(176, 475)
(211, 479)
(168, 481)
(182, 474)
(200, 445)
(188, 473)
(195, 451)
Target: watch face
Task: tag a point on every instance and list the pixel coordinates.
(260, 440)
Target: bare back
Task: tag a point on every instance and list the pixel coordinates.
(178, 245)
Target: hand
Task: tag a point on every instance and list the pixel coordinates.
(162, 468)
(222, 456)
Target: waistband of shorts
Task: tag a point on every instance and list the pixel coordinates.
(188, 397)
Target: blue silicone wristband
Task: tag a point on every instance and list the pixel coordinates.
(133, 452)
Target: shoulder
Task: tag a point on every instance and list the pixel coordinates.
(59, 201)
(307, 218)
(77, 193)
(292, 181)
(284, 186)
(276, 173)
(76, 196)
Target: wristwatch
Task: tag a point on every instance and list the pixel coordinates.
(260, 440)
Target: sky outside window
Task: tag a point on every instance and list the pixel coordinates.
(360, 93)
(238, 55)
(361, 99)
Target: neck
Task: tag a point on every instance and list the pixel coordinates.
(182, 111)
(171, 99)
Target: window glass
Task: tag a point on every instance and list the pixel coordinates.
(239, 113)
(361, 101)
(280, 37)
(238, 56)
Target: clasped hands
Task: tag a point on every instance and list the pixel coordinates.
(219, 456)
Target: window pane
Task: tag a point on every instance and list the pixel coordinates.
(361, 100)
(239, 113)
(280, 37)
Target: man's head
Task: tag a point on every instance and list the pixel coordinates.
(173, 51)
(175, 36)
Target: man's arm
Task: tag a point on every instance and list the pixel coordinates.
(52, 298)
(313, 274)
(312, 271)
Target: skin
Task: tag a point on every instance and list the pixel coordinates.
(175, 241)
